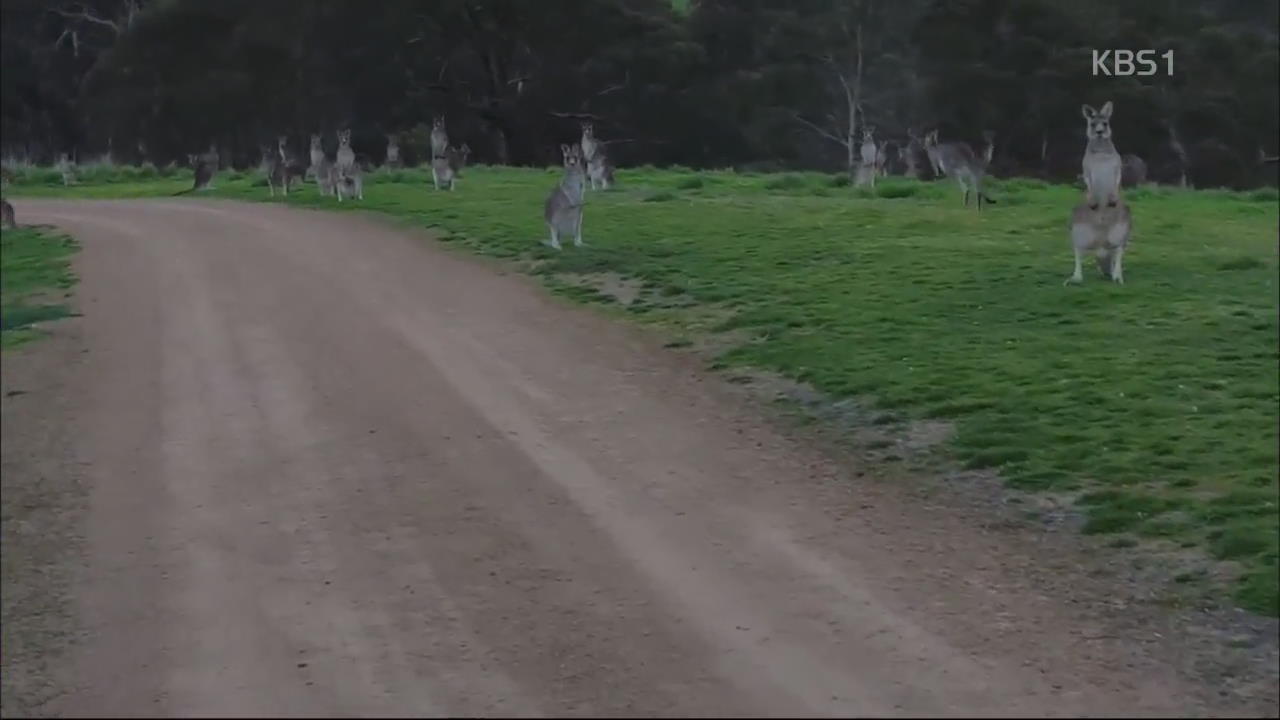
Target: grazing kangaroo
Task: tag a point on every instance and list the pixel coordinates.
(1133, 170)
(393, 151)
(67, 169)
(1103, 231)
(867, 154)
(957, 160)
(6, 215)
(446, 170)
(1102, 164)
(439, 138)
(563, 210)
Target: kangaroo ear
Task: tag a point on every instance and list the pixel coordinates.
(564, 149)
(1087, 111)
(1106, 110)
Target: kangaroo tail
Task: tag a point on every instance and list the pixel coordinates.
(988, 198)
(183, 192)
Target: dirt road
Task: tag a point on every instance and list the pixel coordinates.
(333, 469)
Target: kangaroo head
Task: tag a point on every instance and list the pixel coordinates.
(572, 156)
(931, 139)
(465, 150)
(315, 141)
(1097, 123)
(588, 130)
(868, 134)
(282, 141)
(438, 123)
(392, 140)
(344, 138)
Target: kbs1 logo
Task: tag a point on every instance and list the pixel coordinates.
(1126, 63)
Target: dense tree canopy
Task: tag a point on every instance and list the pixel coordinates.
(782, 83)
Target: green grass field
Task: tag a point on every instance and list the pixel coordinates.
(35, 273)
(1155, 403)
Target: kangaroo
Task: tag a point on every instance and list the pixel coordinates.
(277, 170)
(322, 170)
(1133, 170)
(393, 151)
(988, 147)
(957, 160)
(316, 155)
(910, 154)
(297, 171)
(867, 152)
(600, 171)
(204, 167)
(349, 182)
(345, 157)
(1102, 164)
(931, 152)
(882, 157)
(563, 210)
(67, 168)
(590, 145)
(439, 138)
(446, 170)
(1103, 231)
(6, 215)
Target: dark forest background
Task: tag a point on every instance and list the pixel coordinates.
(705, 83)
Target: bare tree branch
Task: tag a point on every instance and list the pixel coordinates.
(818, 129)
(84, 14)
(575, 115)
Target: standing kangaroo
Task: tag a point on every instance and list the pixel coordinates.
(345, 157)
(590, 145)
(277, 169)
(349, 177)
(867, 153)
(67, 169)
(957, 160)
(204, 167)
(599, 169)
(1103, 231)
(446, 170)
(1101, 223)
(563, 210)
(316, 155)
(7, 217)
(1102, 164)
(322, 169)
(393, 151)
(439, 138)
(910, 154)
